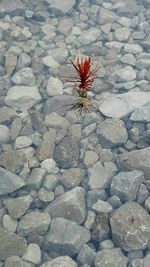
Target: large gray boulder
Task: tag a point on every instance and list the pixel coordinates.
(130, 225)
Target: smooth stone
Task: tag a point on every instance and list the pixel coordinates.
(12, 160)
(9, 182)
(107, 16)
(70, 205)
(102, 207)
(12, 244)
(63, 7)
(56, 121)
(54, 87)
(22, 141)
(22, 98)
(66, 237)
(7, 7)
(50, 62)
(143, 61)
(49, 165)
(9, 224)
(141, 114)
(133, 48)
(130, 226)
(33, 254)
(121, 105)
(86, 256)
(36, 178)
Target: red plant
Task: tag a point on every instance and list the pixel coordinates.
(85, 74)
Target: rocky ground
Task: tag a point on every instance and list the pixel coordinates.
(74, 189)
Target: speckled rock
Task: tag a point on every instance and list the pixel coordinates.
(34, 222)
(66, 153)
(66, 237)
(70, 205)
(111, 258)
(17, 262)
(101, 229)
(130, 227)
(11, 244)
(24, 76)
(12, 160)
(60, 262)
(135, 160)
(72, 177)
(9, 182)
(125, 185)
(112, 132)
(18, 206)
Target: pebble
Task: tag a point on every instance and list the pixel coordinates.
(102, 206)
(50, 166)
(4, 134)
(22, 141)
(54, 87)
(122, 34)
(110, 257)
(9, 223)
(33, 254)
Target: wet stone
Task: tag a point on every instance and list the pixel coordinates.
(66, 153)
(9, 182)
(18, 206)
(112, 132)
(12, 244)
(111, 257)
(66, 237)
(70, 205)
(130, 226)
(125, 185)
(34, 222)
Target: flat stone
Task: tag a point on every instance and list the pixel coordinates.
(34, 222)
(70, 205)
(100, 176)
(9, 182)
(56, 121)
(12, 244)
(60, 262)
(33, 254)
(111, 257)
(102, 207)
(22, 141)
(125, 185)
(22, 98)
(18, 206)
(141, 114)
(66, 153)
(130, 227)
(121, 105)
(50, 62)
(135, 160)
(66, 237)
(112, 133)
